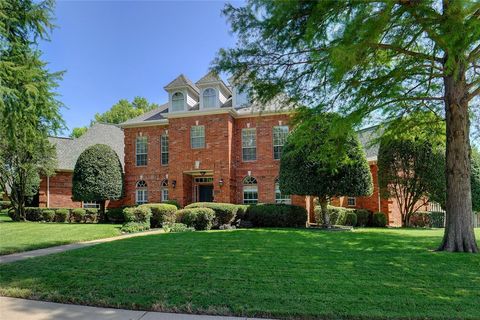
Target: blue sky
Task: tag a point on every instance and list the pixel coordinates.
(114, 50)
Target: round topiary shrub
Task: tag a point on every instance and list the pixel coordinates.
(199, 218)
(379, 220)
(363, 217)
(161, 213)
(48, 215)
(350, 219)
(61, 215)
(78, 215)
(137, 214)
(172, 202)
(115, 215)
(224, 212)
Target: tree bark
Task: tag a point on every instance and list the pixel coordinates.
(325, 215)
(102, 217)
(459, 234)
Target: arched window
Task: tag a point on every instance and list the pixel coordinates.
(209, 98)
(250, 190)
(279, 196)
(141, 192)
(164, 190)
(178, 101)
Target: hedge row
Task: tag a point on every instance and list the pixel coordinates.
(352, 217)
(5, 205)
(425, 219)
(78, 215)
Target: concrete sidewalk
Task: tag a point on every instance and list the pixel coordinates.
(21, 309)
(46, 251)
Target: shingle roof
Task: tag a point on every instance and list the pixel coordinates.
(152, 115)
(367, 138)
(209, 78)
(68, 150)
(181, 81)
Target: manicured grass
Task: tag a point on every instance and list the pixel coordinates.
(365, 274)
(24, 236)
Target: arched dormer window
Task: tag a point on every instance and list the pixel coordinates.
(141, 192)
(178, 101)
(279, 196)
(165, 190)
(209, 98)
(250, 190)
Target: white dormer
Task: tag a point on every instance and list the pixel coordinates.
(183, 94)
(213, 91)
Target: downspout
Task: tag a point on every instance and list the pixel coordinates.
(48, 192)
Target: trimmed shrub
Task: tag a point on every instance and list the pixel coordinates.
(276, 215)
(224, 212)
(137, 214)
(33, 214)
(379, 220)
(5, 205)
(78, 215)
(161, 213)
(115, 215)
(48, 215)
(61, 215)
(363, 217)
(199, 218)
(350, 219)
(132, 226)
(241, 211)
(172, 202)
(437, 219)
(176, 227)
(420, 219)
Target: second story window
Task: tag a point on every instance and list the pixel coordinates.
(178, 101)
(164, 149)
(249, 144)
(197, 137)
(141, 151)
(209, 98)
(242, 97)
(280, 134)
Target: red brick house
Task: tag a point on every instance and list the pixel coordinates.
(207, 143)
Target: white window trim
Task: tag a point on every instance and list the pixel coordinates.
(243, 147)
(191, 137)
(278, 145)
(184, 101)
(162, 137)
(354, 201)
(216, 99)
(143, 153)
(287, 198)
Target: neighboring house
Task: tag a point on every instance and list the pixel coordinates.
(56, 191)
(207, 143)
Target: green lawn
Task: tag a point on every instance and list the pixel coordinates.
(23, 236)
(365, 274)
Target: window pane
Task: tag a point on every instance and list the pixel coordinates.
(242, 97)
(209, 97)
(280, 134)
(197, 136)
(141, 151)
(164, 194)
(249, 144)
(279, 197)
(178, 101)
(164, 149)
(142, 196)
(250, 194)
(351, 201)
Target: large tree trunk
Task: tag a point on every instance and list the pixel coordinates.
(323, 201)
(102, 217)
(459, 234)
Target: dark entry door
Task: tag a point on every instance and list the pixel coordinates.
(205, 193)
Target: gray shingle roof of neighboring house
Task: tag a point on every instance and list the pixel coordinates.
(367, 138)
(68, 150)
(152, 115)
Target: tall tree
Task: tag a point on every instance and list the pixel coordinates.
(98, 176)
(29, 109)
(314, 163)
(118, 113)
(367, 58)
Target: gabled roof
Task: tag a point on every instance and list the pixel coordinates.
(152, 115)
(68, 150)
(213, 78)
(180, 82)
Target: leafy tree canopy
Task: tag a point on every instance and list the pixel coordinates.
(98, 175)
(29, 109)
(304, 169)
(118, 113)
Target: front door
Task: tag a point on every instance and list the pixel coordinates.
(205, 193)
